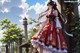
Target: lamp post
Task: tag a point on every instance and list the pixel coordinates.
(25, 27)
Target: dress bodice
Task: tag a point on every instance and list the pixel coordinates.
(50, 15)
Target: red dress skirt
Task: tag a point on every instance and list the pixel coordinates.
(49, 38)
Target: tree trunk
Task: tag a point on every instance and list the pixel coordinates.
(72, 13)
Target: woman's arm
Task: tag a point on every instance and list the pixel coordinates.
(58, 24)
(55, 12)
(42, 15)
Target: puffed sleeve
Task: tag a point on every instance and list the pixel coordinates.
(58, 24)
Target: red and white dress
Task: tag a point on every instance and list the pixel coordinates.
(48, 37)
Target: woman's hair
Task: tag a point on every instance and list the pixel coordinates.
(52, 3)
(54, 6)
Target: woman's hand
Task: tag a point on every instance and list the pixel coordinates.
(34, 30)
(57, 30)
(42, 15)
(38, 24)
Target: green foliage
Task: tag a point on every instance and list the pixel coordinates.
(31, 21)
(11, 31)
(30, 34)
(75, 29)
(4, 23)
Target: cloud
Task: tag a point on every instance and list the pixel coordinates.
(21, 20)
(4, 1)
(5, 10)
(7, 5)
(22, 16)
(38, 8)
(24, 7)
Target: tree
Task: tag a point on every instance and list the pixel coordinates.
(70, 11)
(75, 29)
(11, 32)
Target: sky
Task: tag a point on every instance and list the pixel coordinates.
(16, 10)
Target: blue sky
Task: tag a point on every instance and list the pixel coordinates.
(16, 10)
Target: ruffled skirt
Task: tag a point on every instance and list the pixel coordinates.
(49, 39)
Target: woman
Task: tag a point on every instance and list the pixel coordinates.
(50, 39)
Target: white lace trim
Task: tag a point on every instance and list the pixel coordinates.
(48, 47)
(58, 24)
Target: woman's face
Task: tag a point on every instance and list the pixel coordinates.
(49, 6)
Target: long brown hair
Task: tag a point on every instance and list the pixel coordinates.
(54, 6)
